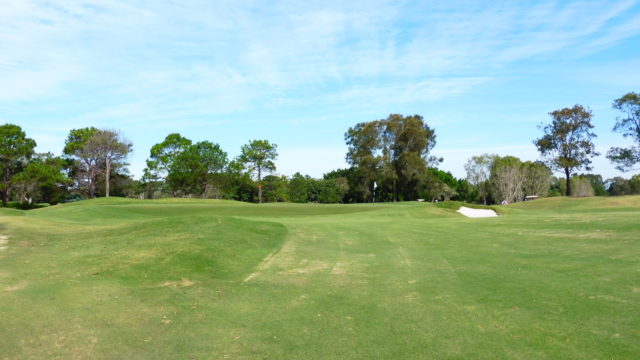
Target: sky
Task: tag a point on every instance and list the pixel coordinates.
(484, 75)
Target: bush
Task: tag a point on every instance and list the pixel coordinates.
(581, 187)
(25, 205)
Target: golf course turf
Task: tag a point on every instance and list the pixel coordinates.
(555, 278)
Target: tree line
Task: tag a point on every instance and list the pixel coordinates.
(389, 159)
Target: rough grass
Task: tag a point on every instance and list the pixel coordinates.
(198, 279)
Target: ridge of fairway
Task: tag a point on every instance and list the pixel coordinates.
(104, 210)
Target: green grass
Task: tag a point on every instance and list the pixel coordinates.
(455, 205)
(201, 279)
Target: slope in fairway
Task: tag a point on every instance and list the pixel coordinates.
(117, 278)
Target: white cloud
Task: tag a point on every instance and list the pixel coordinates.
(246, 54)
(174, 64)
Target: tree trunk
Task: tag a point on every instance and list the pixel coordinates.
(568, 175)
(395, 194)
(92, 185)
(259, 185)
(106, 175)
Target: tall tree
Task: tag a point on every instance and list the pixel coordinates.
(507, 178)
(629, 127)
(258, 156)
(15, 150)
(537, 178)
(364, 154)
(163, 155)
(411, 141)
(191, 169)
(110, 149)
(84, 165)
(567, 141)
(478, 173)
(394, 150)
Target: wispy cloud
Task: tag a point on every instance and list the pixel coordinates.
(241, 54)
(172, 64)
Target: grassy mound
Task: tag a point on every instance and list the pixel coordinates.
(166, 279)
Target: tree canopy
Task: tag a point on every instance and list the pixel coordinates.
(629, 126)
(84, 164)
(193, 167)
(163, 155)
(43, 179)
(110, 149)
(393, 152)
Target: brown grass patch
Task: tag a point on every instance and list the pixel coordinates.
(175, 284)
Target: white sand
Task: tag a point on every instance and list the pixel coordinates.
(476, 213)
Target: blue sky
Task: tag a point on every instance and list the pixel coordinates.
(483, 74)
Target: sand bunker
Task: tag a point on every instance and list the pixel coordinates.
(476, 213)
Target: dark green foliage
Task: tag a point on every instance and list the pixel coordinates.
(42, 180)
(466, 191)
(557, 187)
(193, 168)
(298, 188)
(188, 169)
(162, 158)
(349, 182)
(276, 188)
(438, 185)
(21, 205)
(238, 183)
(15, 150)
(76, 140)
(331, 191)
(618, 186)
